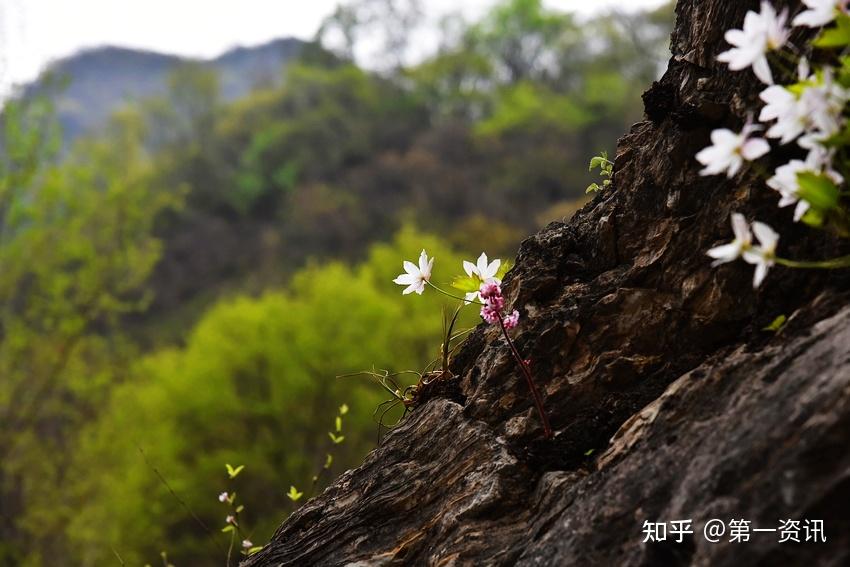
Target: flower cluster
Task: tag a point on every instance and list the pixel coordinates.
(808, 113)
(494, 303)
(482, 285)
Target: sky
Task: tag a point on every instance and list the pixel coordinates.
(35, 32)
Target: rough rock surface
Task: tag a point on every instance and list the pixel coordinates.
(668, 399)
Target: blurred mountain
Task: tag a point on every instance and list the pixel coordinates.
(97, 82)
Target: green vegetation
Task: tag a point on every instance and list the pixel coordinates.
(181, 290)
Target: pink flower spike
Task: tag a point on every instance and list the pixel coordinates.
(511, 320)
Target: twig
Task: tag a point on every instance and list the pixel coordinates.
(185, 506)
(547, 429)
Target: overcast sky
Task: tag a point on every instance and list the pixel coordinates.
(34, 32)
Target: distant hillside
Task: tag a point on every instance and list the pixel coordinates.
(101, 80)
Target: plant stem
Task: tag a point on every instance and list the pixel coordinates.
(447, 294)
(834, 263)
(538, 402)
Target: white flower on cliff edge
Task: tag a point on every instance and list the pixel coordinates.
(483, 270)
(246, 543)
(729, 151)
(820, 12)
(786, 182)
(762, 256)
(415, 277)
(762, 32)
(223, 497)
(732, 251)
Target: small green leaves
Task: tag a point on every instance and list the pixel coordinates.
(343, 409)
(589, 452)
(777, 324)
(254, 550)
(329, 459)
(337, 439)
(338, 424)
(466, 284)
(606, 170)
(839, 36)
(233, 472)
(293, 494)
(818, 190)
(227, 528)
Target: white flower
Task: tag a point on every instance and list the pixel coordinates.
(816, 110)
(763, 32)
(222, 497)
(785, 181)
(485, 272)
(824, 102)
(762, 256)
(230, 520)
(783, 106)
(732, 251)
(820, 12)
(729, 150)
(246, 543)
(416, 276)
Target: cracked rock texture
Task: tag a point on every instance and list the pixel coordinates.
(668, 399)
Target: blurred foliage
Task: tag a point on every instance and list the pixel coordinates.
(191, 280)
(252, 385)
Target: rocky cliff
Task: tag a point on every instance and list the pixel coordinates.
(668, 399)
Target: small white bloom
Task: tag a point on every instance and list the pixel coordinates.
(230, 520)
(820, 12)
(416, 276)
(762, 256)
(729, 151)
(732, 251)
(246, 543)
(786, 182)
(783, 106)
(482, 270)
(816, 110)
(223, 497)
(762, 32)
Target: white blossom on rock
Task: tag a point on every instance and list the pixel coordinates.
(762, 256)
(820, 12)
(762, 33)
(415, 277)
(729, 151)
(484, 271)
(732, 251)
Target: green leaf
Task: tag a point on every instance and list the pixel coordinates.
(589, 452)
(466, 284)
(777, 324)
(813, 218)
(338, 424)
(592, 188)
(254, 549)
(595, 162)
(239, 509)
(504, 268)
(329, 459)
(233, 472)
(343, 409)
(337, 439)
(839, 36)
(818, 189)
(227, 528)
(293, 494)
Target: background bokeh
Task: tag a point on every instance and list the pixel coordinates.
(191, 251)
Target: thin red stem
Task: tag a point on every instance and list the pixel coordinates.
(538, 401)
